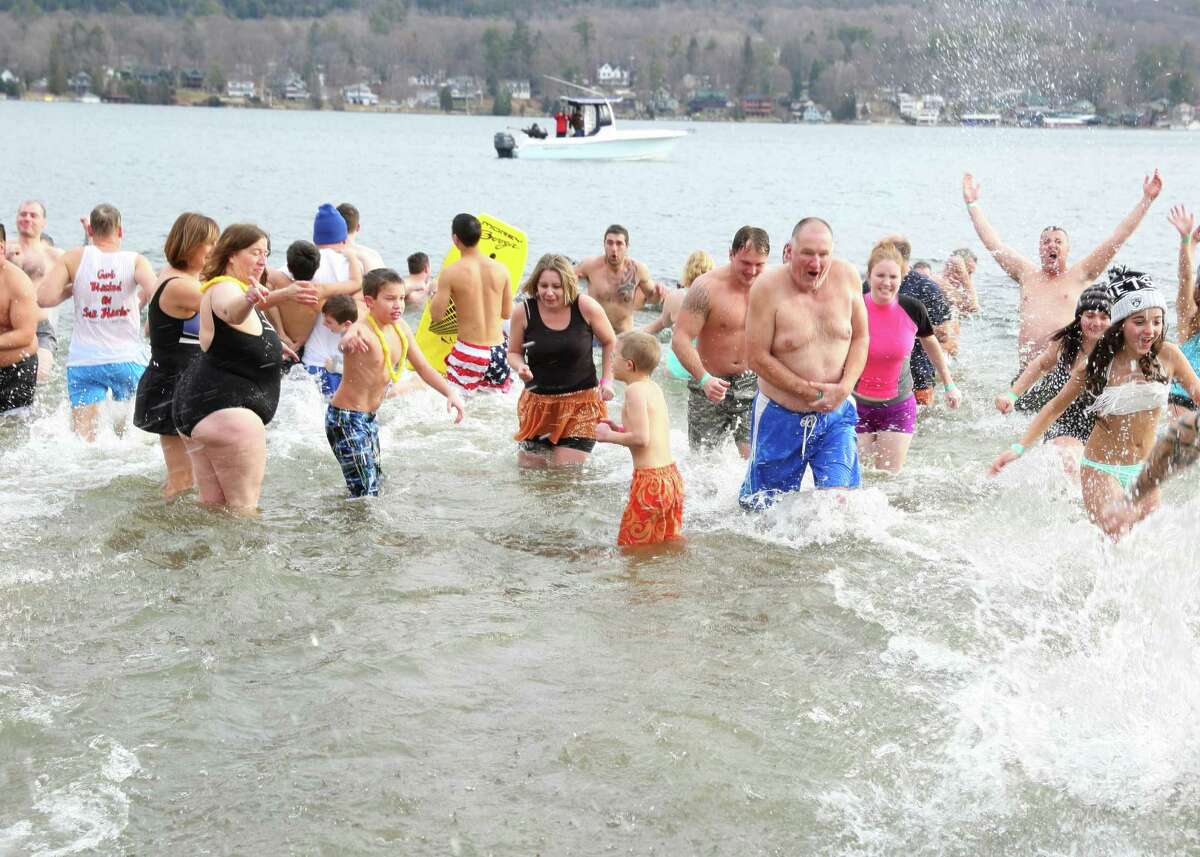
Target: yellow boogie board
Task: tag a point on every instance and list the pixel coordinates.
(500, 241)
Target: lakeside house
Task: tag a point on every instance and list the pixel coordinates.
(80, 83)
(612, 76)
(756, 105)
(293, 88)
(240, 89)
(517, 89)
(360, 94)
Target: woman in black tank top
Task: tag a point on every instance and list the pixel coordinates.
(550, 348)
(228, 395)
(174, 324)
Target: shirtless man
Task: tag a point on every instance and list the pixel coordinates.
(418, 284)
(482, 298)
(368, 258)
(956, 283)
(1051, 289)
(18, 335)
(806, 337)
(622, 285)
(34, 255)
(109, 286)
(709, 340)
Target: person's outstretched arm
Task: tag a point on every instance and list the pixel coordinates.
(1013, 263)
(1095, 263)
(1185, 300)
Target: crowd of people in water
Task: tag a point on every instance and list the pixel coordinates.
(805, 366)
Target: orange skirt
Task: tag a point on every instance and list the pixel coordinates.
(655, 510)
(558, 416)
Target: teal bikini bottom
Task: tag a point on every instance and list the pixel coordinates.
(1123, 473)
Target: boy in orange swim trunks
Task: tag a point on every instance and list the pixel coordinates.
(654, 513)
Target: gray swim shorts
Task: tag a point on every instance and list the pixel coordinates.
(710, 422)
(45, 335)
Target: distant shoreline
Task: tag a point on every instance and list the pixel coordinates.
(303, 106)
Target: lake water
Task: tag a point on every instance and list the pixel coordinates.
(944, 664)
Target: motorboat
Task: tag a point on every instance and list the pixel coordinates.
(600, 141)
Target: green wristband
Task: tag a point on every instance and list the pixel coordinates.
(972, 204)
(705, 379)
(946, 388)
(1018, 448)
(1013, 396)
(1185, 240)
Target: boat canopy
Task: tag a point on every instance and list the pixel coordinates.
(597, 112)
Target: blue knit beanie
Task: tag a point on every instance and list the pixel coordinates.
(329, 227)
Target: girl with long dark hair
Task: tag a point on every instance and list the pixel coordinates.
(1127, 375)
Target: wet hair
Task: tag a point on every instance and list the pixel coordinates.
(1053, 229)
(189, 231)
(3, 234)
(233, 240)
(900, 243)
(303, 259)
(467, 229)
(750, 236)
(805, 221)
(640, 348)
(698, 263)
(417, 263)
(47, 240)
(341, 308)
(1107, 349)
(566, 273)
(923, 267)
(374, 281)
(966, 254)
(36, 202)
(887, 250)
(349, 214)
(618, 229)
(105, 220)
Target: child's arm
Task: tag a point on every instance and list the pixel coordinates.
(430, 376)
(635, 433)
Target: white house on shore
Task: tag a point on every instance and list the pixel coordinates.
(612, 76)
(240, 89)
(517, 89)
(360, 94)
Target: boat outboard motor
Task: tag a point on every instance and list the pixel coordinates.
(505, 144)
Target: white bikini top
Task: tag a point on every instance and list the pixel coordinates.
(1123, 399)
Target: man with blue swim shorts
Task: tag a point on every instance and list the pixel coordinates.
(109, 286)
(806, 339)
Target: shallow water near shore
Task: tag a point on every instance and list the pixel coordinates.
(937, 664)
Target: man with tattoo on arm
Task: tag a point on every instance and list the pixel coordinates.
(709, 340)
(620, 284)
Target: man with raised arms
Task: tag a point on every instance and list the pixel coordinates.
(1050, 289)
(18, 334)
(109, 286)
(806, 337)
(622, 285)
(35, 256)
(709, 340)
(482, 298)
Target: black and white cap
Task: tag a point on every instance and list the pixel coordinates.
(1132, 292)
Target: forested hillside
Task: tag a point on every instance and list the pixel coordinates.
(1111, 52)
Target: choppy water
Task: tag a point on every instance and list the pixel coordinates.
(942, 664)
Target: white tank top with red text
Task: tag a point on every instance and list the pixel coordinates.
(107, 312)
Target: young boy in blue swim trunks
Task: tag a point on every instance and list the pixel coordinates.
(374, 350)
